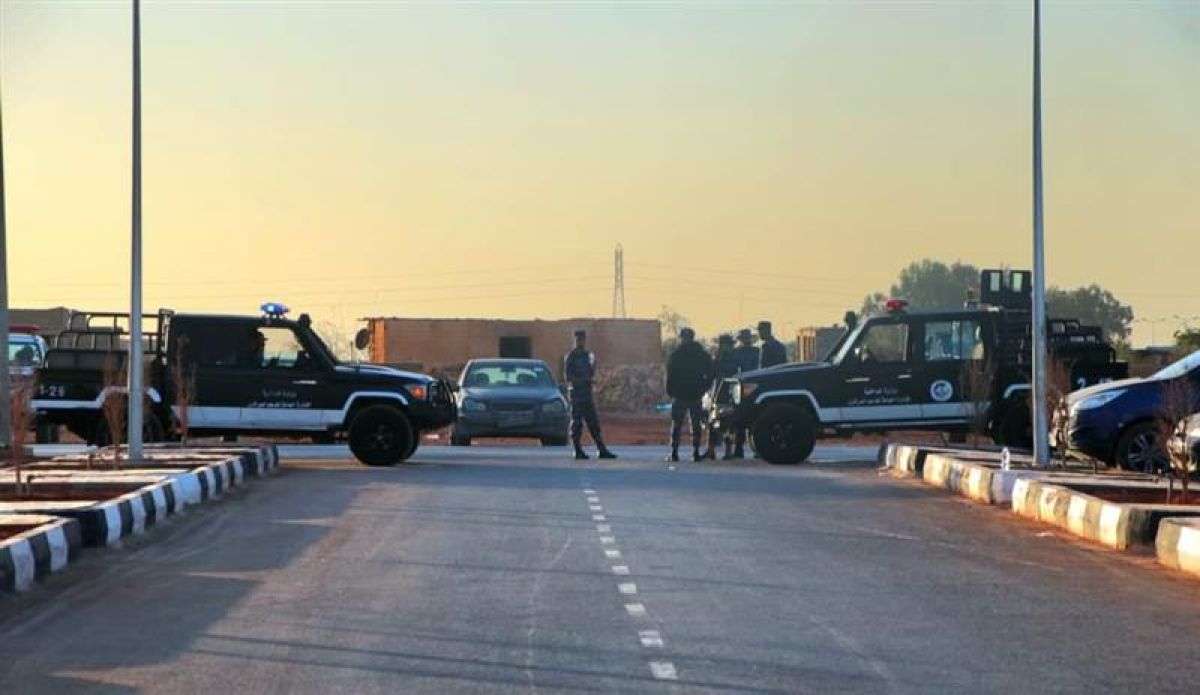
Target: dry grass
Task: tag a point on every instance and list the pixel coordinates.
(114, 406)
(977, 383)
(21, 417)
(630, 388)
(184, 385)
(1176, 407)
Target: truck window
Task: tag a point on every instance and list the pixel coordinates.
(953, 341)
(278, 348)
(210, 345)
(884, 343)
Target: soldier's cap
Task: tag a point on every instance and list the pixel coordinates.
(764, 324)
(725, 339)
(580, 333)
(687, 333)
(745, 334)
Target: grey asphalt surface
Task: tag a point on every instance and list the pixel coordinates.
(483, 570)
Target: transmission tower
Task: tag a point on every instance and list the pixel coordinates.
(619, 283)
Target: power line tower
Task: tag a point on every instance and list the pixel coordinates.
(619, 283)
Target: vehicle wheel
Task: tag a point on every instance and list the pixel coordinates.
(784, 434)
(416, 444)
(380, 435)
(1139, 448)
(554, 441)
(1015, 427)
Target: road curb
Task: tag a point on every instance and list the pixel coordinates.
(987, 484)
(1120, 526)
(38, 552)
(1178, 544)
(903, 460)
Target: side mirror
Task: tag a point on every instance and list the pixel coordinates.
(362, 339)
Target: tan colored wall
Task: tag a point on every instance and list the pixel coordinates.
(432, 344)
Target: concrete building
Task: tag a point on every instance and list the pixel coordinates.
(814, 342)
(444, 345)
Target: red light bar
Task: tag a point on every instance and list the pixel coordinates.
(895, 305)
(30, 328)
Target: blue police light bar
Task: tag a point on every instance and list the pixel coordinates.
(274, 309)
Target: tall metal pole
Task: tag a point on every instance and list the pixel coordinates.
(134, 365)
(1041, 435)
(5, 390)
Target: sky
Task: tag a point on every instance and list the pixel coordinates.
(755, 160)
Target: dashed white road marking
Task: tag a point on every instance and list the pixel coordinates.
(612, 553)
(595, 508)
(588, 491)
(594, 500)
(663, 670)
(603, 528)
(607, 540)
(650, 638)
(627, 588)
(635, 609)
(599, 517)
(622, 570)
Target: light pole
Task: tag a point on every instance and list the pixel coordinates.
(5, 390)
(1041, 430)
(134, 364)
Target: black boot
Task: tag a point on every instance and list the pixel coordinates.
(604, 452)
(580, 454)
(673, 457)
(697, 457)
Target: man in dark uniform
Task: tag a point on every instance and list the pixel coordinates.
(579, 371)
(689, 376)
(773, 352)
(746, 357)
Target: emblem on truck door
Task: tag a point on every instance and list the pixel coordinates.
(941, 390)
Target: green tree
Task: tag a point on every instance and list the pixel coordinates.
(1187, 340)
(671, 322)
(929, 285)
(1093, 306)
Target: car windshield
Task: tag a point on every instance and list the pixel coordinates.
(24, 351)
(1179, 368)
(507, 375)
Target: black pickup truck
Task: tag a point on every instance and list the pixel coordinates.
(249, 375)
(947, 371)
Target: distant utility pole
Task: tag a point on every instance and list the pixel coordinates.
(1041, 430)
(5, 390)
(619, 283)
(134, 365)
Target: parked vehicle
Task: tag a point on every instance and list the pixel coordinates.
(510, 398)
(26, 351)
(946, 371)
(1118, 423)
(262, 375)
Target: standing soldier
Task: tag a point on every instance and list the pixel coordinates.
(773, 351)
(689, 376)
(580, 371)
(746, 357)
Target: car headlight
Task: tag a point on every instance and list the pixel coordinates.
(554, 406)
(1099, 400)
(746, 389)
(472, 405)
(418, 391)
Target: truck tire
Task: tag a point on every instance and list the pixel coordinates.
(784, 434)
(1139, 448)
(416, 444)
(380, 435)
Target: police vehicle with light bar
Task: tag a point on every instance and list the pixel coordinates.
(248, 375)
(952, 371)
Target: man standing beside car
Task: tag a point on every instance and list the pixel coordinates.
(579, 371)
(746, 356)
(689, 376)
(773, 352)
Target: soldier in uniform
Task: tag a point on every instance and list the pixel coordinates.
(579, 371)
(773, 352)
(689, 377)
(746, 357)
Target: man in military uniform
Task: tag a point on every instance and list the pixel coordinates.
(579, 372)
(689, 377)
(726, 367)
(746, 357)
(773, 352)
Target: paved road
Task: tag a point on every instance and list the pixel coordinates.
(490, 570)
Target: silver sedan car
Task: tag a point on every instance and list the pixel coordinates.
(510, 398)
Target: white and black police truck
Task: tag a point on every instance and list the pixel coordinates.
(248, 375)
(946, 371)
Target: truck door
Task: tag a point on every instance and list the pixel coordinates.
(282, 383)
(953, 378)
(877, 376)
(210, 349)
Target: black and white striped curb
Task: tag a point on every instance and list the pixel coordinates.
(1119, 525)
(38, 552)
(1178, 544)
(258, 461)
(132, 513)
